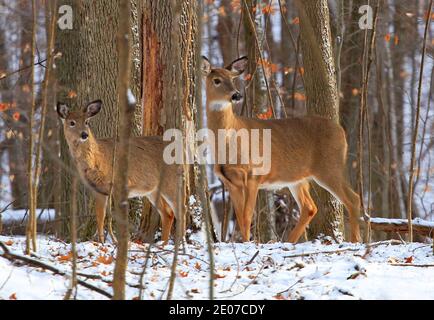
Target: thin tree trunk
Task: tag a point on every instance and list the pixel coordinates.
(126, 112)
(31, 222)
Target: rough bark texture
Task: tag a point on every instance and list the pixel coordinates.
(18, 144)
(322, 99)
(87, 71)
(156, 25)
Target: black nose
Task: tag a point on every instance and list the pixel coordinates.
(237, 97)
(84, 135)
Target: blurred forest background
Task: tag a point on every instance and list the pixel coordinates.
(377, 79)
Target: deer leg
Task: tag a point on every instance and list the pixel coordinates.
(166, 214)
(339, 188)
(100, 207)
(235, 182)
(249, 206)
(307, 207)
(237, 198)
(167, 218)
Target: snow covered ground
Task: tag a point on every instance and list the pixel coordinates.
(312, 270)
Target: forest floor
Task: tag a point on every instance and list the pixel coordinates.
(311, 270)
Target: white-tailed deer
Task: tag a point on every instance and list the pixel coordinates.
(302, 149)
(93, 158)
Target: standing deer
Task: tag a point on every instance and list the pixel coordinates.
(302, 149)
(93, 158)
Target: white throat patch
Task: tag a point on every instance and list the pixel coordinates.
(219, 105)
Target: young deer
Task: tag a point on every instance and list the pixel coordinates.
(302, 149)
(93, 158)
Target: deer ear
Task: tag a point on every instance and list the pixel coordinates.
(238, 66)
(93, 108)
(62, 110)
(205, 66)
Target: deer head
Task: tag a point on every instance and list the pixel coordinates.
(76, 123)
(220, 87)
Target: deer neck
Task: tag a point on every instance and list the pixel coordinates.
(85, 153)
(220, 115)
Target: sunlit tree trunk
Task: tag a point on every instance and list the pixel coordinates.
(322, 99)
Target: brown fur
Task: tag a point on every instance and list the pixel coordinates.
(301, 149)
(93, 158)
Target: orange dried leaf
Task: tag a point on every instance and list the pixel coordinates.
(301, 70)
(248, 77)
(409, 259)
(219, 276)
(105, 260)
(4, 106)
(13, 296)
(222, 11)
(396, 39)
(296, 20)
(197, 266)
(72, 94)
(9, 242)
(387, 37)
(67, 257)
(16, 116)
(183, 274)
(355, 92)
(299, 96)
(268, 9)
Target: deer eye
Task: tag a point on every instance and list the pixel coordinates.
(72, 123)
(86, 122)
(217, 81)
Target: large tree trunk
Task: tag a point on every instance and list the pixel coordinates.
(165, 42)
(87, 71)
(322, 99)
(18, 145)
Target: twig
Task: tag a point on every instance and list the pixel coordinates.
(39, 264)
(253, 258)
(411, 265)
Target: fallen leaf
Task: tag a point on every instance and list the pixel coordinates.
(9, 242)
(105, 260)
(409, 259)
(183, 274)
(197, 266)
(13, 296)
(219, 276)
(67, 257)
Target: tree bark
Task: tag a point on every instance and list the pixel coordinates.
(88, 71)
(120, 191)
(321, 99)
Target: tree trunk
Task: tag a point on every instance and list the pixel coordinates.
(165, 41)
(87, 71)
(120, 191)
(322, 99)
(256, 102)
